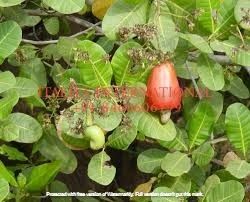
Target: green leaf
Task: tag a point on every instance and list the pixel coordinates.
(18, 14)
(208, 10)
(95, 72)
(200, 124)
(66, 47)
(27, 129)
(233, 49)
(25, 87)
(40, 176)
(163, 198)
(106, 43)
(106, 117)
(216, 100)
(7, 103)
(225, 17)
(5, 174)
(150, 160)
(12, 153)
(99, 170)
(197, 41)
(210, 183)
(35, 71)
(10, 38)
(238, 127)
(237, 87)
(120, 14)
(183, 72)
(59, 187)
(229, 191)
(66, 7)
(238, 168)
(176, 164)
(53, 149)
(240, 12)
(203, 154)
(4, 189)
(165, 39)
(211, 73)
(7, 81)
(177, 184)
(149, 125)
(4, 3)
(180, 142)
(123, 66)
(122, 137)
(10, 132)
(52, 25)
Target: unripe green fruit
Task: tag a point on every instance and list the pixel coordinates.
(96, 137)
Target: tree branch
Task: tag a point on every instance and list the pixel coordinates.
(56, 41)
(218, 140)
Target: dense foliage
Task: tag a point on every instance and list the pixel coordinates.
(73, 79)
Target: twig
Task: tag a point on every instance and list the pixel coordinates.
(194, 82)
(218, 140)
(56, 41)
(218, 162)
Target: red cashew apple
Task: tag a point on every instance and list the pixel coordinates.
(163, 90)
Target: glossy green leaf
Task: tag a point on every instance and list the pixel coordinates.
(123, 66)
(122, 137)
(35, 71)
(18, 14)
(238, 127)
(211, 73)
(95, 71)
(27, 129)
(163, 198)
(240, 12)
(66, 7)
(99, 169)
(238, 168)
(165, 39)
(122, 14)
(52, 25)
(105, 115)
(53, 149)
(183, 72)
(230, 191)
(4, 3)
(12, 153)
(42, 175)
(225, 17)
(150, 160)
(7, 175)
(210, 183)
(197, 41)
(25, 87)
(200, 124)
(177, 184)
(7, 81)
(176, 164)
(203, 154)
(4, 189)
(149, 125)
(208, 11)
(7, 103)
(237, 87)
(179, 143)
(10, 38)
(59, 187)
